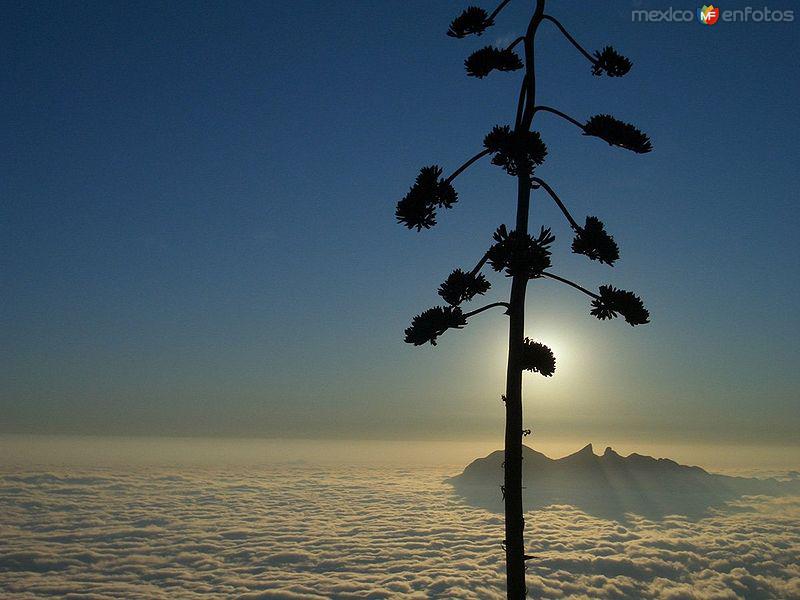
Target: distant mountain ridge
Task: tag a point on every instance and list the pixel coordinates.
(612, 483)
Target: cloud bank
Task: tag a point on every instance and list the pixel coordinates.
(285, 533)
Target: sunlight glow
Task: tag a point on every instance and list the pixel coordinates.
(558, 341)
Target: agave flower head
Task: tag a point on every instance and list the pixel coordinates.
(482, 62)
(413, 211)
(516, 152)
(432, 323)
(613, 302)
(472, 20)
(593, 241)
(418, 207)
(538, 358)
(618, 133)
(462, 287)
(610, 62)
(520, 254)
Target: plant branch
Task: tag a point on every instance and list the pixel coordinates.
(557, 112)
(571, 284)
(467, 165)
(487, 307)
(557, 200)
(497, 10)
(480, 264)
(515, 42)
(571, 39)
(523, 90)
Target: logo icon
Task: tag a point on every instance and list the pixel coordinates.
(708, 15)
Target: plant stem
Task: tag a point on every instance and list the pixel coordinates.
(571, 39)
(557, 112)
(571, 284)
(521, 102)
(512, 472)
(560, 204)
(480, 264)
(472, 313)
(497, 10)
(466, 165)
(515, 42)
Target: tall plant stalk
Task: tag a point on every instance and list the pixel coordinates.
(512, 465)
(522, 257)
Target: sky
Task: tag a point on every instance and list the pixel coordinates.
(198, 235)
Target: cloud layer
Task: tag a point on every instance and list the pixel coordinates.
(286, 533)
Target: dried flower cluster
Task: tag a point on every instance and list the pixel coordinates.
(613, 302)
(462, 287)
(472, 20)
(610, 62)
(515, 151)
(618, 133)
(520, 253)
(482, 62)
(538, 358)
(432, 323)
(418, 207)
(593, 241)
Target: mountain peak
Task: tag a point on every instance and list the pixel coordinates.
(586, 450)
(610, 452)
(585, 455)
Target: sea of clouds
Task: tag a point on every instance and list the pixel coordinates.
(301, 532)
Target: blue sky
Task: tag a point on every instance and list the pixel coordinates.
(198, 232)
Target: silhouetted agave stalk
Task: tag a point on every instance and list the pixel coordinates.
(519, 151)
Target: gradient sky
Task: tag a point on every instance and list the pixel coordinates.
(198, 234)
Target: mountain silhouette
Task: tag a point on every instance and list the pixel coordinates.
(611, 485)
